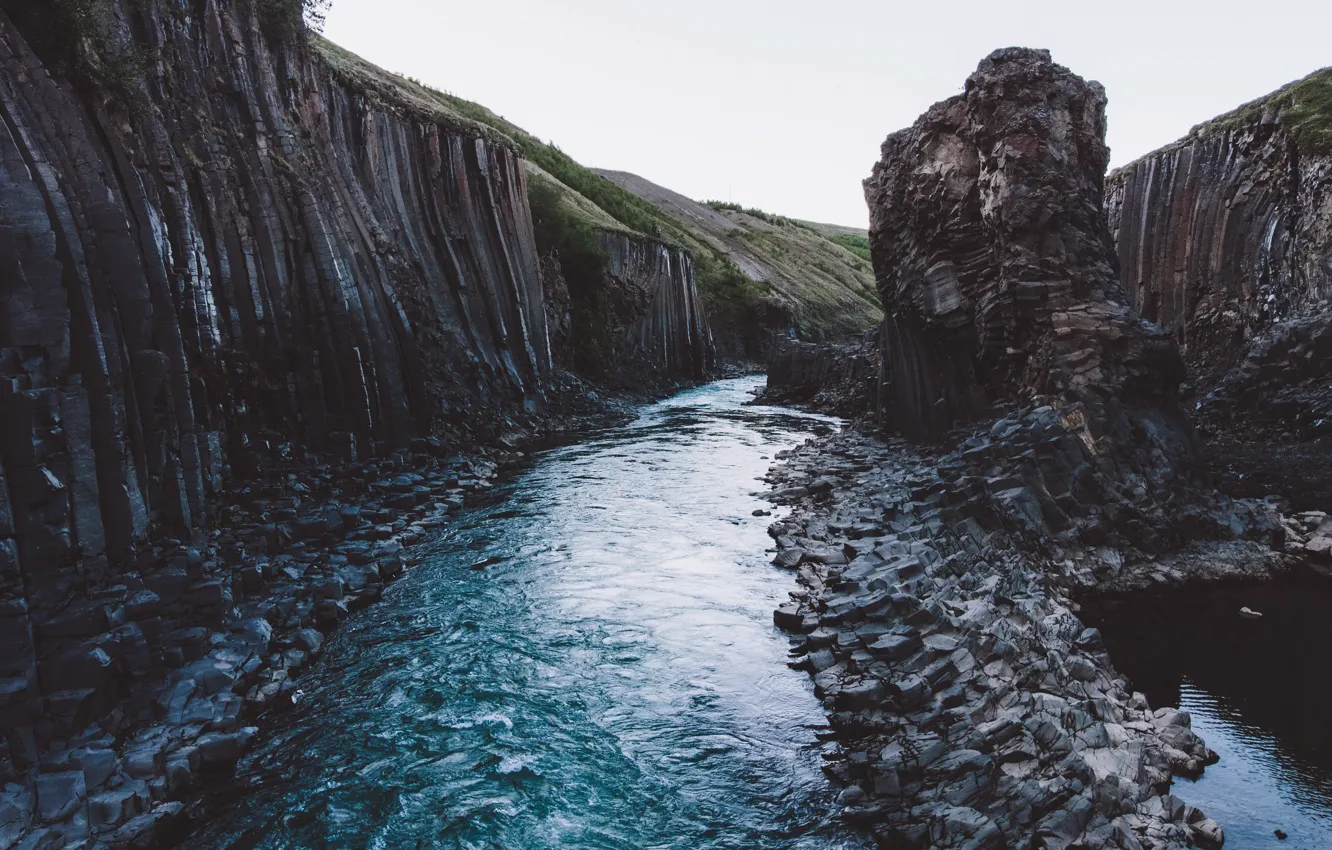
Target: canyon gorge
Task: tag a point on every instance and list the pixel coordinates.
(286, 343)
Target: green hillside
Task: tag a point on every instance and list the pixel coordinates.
(823, 282)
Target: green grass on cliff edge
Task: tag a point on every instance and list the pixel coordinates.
(721, 284)
(1302, 108)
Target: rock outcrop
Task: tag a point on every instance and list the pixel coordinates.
(993, 259)
(1225, 237)
(825, 377)
(998, 278)
(937, 608)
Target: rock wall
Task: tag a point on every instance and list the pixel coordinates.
(1223, 235)
(635, 325)
(222, 255)
(669, 333)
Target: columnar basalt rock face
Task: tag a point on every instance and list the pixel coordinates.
(1223, 235)
(1226, 238)
(993, 258)
(669, 332)
(239, 258)
(638, 325)
(266, 256)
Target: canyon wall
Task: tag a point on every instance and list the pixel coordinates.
(669, 332)
(251, 257)
(632, 321)
(1225, 237)
(1226, 233)
(225, 253)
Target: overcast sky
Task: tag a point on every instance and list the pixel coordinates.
(783, 104)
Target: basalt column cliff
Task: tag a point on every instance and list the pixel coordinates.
(226, 251)
(1226, 238)
(255, 254)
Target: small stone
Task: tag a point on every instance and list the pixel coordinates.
(217, 748)
(143, 604)
(1208, 833)
(788, 559)
(788, 617)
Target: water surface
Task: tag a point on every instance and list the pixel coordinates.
(611, 679)
(1258, 691)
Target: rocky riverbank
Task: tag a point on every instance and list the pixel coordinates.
(174, 665)
(973, 707)
(1051, 459)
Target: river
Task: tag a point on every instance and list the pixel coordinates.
(586, 661)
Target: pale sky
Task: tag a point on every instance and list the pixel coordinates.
(783, 104)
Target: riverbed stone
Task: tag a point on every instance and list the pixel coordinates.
(59, 795)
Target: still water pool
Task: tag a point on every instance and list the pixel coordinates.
(1258, 691)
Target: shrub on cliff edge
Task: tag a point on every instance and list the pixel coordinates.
(290, 18)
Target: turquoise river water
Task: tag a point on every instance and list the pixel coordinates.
(612, 680)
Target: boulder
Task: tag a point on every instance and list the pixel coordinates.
(59, 795)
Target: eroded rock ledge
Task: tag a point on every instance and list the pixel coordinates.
(937, 609)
